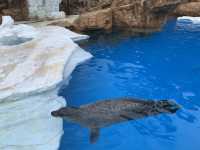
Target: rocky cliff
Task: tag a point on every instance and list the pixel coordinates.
(105, 14)
(15, 8)
(192, 8)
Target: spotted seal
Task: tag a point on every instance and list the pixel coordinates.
(108, 112)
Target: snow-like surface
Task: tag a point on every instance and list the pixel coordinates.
(30, 75)
(195, 20)
(9, 30)
(75, 36)
(7, 21)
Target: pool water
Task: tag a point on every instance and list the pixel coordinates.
(163, 65)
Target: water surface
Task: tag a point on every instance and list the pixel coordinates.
(164, 65)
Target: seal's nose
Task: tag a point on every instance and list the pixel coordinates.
(172, 106)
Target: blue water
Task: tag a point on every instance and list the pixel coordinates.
(163, 65)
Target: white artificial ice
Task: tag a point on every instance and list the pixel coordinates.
(194, 20)
(34, 64)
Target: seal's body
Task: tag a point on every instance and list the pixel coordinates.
(108, 112)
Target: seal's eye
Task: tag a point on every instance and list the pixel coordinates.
(165, 104)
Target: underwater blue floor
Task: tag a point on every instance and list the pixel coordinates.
(164, 65)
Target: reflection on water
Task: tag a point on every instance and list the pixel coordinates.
(163, 65)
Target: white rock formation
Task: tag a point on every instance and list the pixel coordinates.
(33, 65)
(194, 20)
(7, 21)
(45, 9)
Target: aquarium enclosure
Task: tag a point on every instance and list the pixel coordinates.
(99, 74)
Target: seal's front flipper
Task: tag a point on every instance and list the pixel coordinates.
(94, 135)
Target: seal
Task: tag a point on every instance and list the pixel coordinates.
(108, 112)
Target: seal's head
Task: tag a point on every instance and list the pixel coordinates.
(167, 106)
